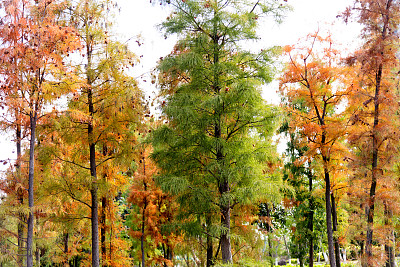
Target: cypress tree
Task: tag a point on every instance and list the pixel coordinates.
(213, 151)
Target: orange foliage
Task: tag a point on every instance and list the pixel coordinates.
(316, 87)
(156, 210)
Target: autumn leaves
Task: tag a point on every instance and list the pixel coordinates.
(345, 111)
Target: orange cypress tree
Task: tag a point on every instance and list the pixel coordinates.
(32, 56)
(314, 80)
(373, 139)
(156, 210)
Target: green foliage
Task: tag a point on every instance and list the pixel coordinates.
(214, 151)
(219, 127)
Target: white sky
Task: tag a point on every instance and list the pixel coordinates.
(139, 18)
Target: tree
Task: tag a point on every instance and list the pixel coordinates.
(32, 53)
(374, 105)
(304, 202)
(156, 211)
(315, 79)
(106, 108)
(213, 150)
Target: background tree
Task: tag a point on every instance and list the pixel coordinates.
(33, 45)
(155, 214)
(315, 78)
(374, 104)
(305, 203)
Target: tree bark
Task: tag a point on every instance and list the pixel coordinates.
(66, 249)
(372, 192)
(142, 236)
(92, 149)
(225, 236)
(331, 250)
(210, 252)
(334, 228)
(20, 193)
(311, 220)
(37, 256)
(225, 209)
(94, 189)
(103, 231)
(390, 258)
(375, 146)
(143, 214)
(29, 243)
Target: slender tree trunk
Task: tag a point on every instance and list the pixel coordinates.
(142, 236)
(210, 260)
(334, 228)
(225, 236)
(375, 148)
(362, 249)
(311, 220)
(95, 223)
(331, 250)
(92, 149)
(269, 231)
(29, 243)
(94, 189)
(103, 230)
(328, 206)
(372, 192)
(111, 244)
(390, 259)
(143, 214)
(167, 252)
(223, 183)
(225, 206)
(20, 192)
(66, 249)
(37, 256)
(301, 261)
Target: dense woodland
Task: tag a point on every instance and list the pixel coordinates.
(101, 178)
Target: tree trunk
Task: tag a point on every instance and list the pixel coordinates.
(210, 259)
(94, 189)
(167, 252)
(20, 193)
(95, 226)
(301, 261)
(37, 256)
(390, 258)
(331, 250)
(372, 192)
(225, 236)
(142, 236)
(311, 220)
(103, 231)
(92, 150)
(29, 243)
(66, 249)
(143, 213)
(223, 186)
(334, 228)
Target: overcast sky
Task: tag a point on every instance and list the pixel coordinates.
(140, 18)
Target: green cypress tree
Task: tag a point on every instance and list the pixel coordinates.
(213, 151)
